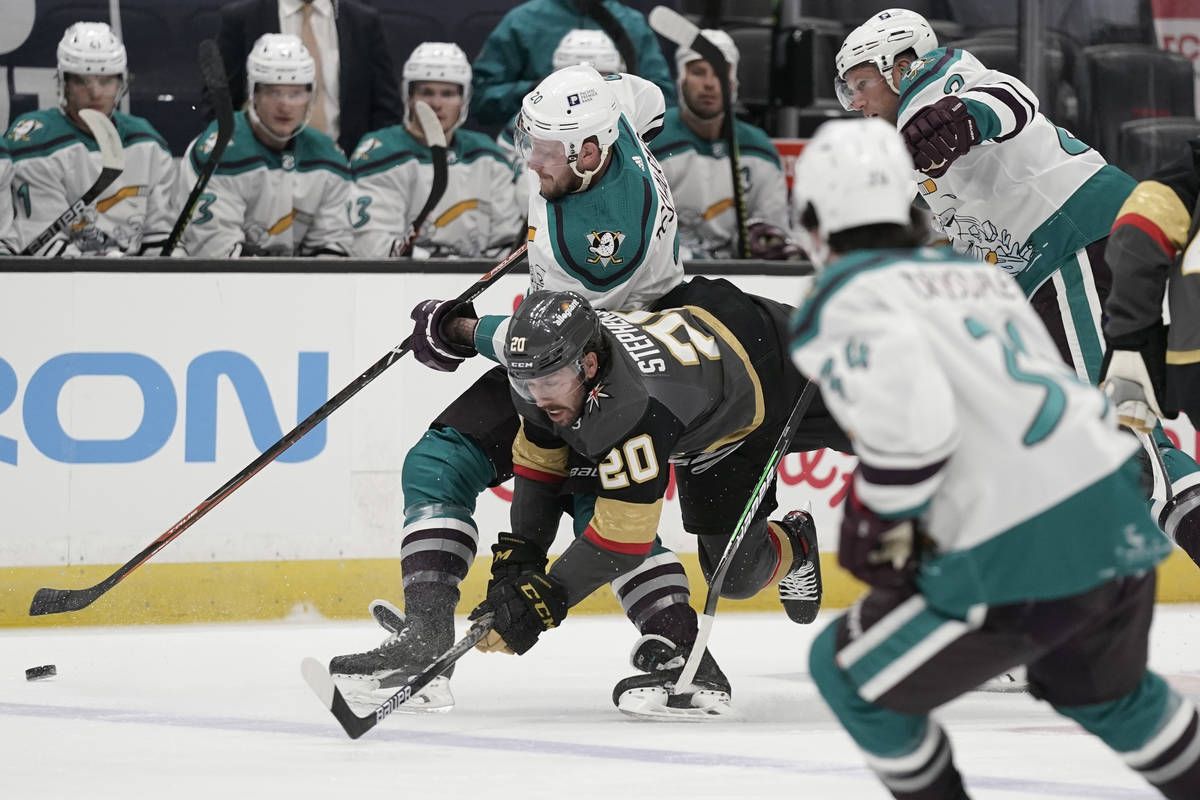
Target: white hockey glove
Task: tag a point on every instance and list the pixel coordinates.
(1127, 383)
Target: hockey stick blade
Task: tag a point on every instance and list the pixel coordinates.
(321, 682)
(112, 164)
(54, 601)
(212, 70)
(671, 25)
(435, 137)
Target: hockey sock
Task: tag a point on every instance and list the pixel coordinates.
(928, 773)
(1171, 760)
(440, 542)
(658, 587)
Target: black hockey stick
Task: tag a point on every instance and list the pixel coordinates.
(683, 32)
(684, 684)
(212, 70)
(435, 137)
(1158, 468)
(615, 30)
(319, 680)
(112, 158)
(56, 601)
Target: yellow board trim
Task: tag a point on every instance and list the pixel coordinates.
(237, 591)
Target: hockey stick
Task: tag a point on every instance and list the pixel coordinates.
(435, 137)
(684, 684)
(319, 680)
(1158, 467)
(112, 157)
(683, 32)
(212, 70)
(56, 601)
(616, 31)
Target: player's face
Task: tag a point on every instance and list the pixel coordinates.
(98, 92)
(870, 94)
(446, 100)
(282, 107)
(547, 159)
(561, 393)
(702, 90)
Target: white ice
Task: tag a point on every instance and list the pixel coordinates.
(204, 711)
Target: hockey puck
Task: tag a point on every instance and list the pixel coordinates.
(39, 673)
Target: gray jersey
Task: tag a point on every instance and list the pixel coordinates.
(8, 236)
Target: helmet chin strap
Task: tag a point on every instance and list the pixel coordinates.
(587, 176)
(272, 135)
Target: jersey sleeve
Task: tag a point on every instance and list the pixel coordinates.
(215, 230)
(539, 469)
(330, 233)
(379, 208)
(40, 196)
(8, 237)
(642, 103)
(161, 207)
(767, 199)
(505, 216)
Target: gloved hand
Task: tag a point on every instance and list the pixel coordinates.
(513, 556)
(524, 607)
(938, 134)
(877, 551)
(1134, 378)
(428, 342)
(770, 242)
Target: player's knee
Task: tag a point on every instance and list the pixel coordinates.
(444, 466)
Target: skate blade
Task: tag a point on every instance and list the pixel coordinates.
(365, 694)
(655, 703)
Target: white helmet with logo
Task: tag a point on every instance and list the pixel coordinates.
(567, 108)
(438, 61)
(853, 172)
(585, 46)
(879, 41)
(728, 48)
(91, 48)
(279, 58)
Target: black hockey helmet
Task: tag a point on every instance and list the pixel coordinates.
(549, 331)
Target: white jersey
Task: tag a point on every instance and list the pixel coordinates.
(265, 202)
(8, 236)
(1029, 194)
(959, 407)
(55, 163)
(701, 180)
(393, 172)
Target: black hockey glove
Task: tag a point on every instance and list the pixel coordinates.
(428, 342)
(770, 242)
(938, 134)
(525, 606)
(513, 556)
(879, 552)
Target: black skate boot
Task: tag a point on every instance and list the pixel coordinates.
(412, 646)
(800, 589)
(651, 694)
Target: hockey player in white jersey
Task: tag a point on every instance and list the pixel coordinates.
(56, 159)
(694, 157)
(1009, 187)
(393, 171)
(602, 224)
(8, 240)
(996, 512)
(282, 188)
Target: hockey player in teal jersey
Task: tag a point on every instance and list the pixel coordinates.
(393, 172)
(1009, 187)
(693, 156)
(56, 159)
(996, 512)
(282, 188)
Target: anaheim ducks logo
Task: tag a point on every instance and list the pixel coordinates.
(604, 246)
(916, 66)
(22, 130)
(363, 151)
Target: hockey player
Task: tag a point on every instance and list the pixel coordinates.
(282, 188)
(393, 171)
(694, 156)
(602, 224)
(1009, 187)
(1152, 370)
(996, 512)
(8, 239)
(703, 383)
(56, 158)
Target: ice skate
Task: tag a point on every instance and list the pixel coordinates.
(800, 589)
(1012, 680)
(650, 695)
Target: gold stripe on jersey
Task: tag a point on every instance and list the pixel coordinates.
(528, 455)
(282, 224)
(717, 208)
(455, 211)
(1158, 203)
(760, 407)
(624, 527)
(1183, 356)
(529, 234)
(121, 194)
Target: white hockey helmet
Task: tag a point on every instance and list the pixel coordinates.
(586, 46)
(91, 48)
(879, 41)
(853, 172)
(279, 58)
(570, 106)
(728, 48)
(438, 61)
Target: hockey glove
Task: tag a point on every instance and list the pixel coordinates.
(877, 551)
(1134, 377)
(770, 242)
(512, 557)
(429, 343)
(524, 607)
(938, 134)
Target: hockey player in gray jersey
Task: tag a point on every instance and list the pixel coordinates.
(1009, 187)
(393, 172)
(693, 156)
(56, 159)
(282, 188)
(705, 383)
(996, 512)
